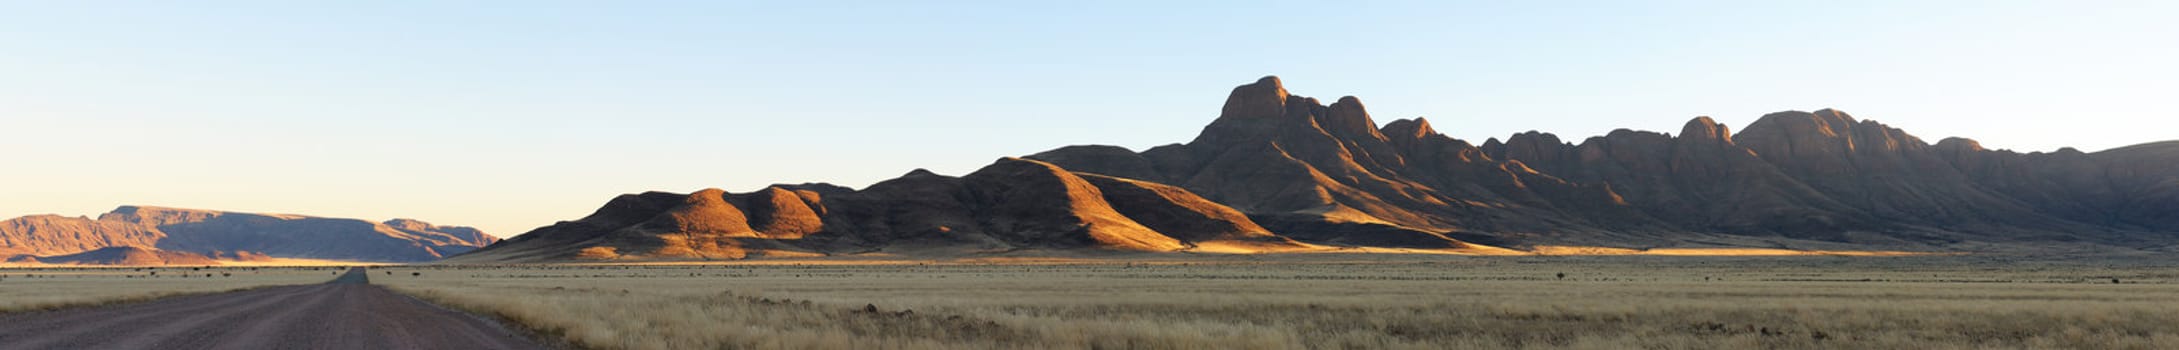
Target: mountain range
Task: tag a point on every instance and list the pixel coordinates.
(141, 235)
(1278, 172)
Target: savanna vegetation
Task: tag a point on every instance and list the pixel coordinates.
(1331, 302)
(46, 288)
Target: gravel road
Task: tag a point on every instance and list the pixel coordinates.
(347, 313)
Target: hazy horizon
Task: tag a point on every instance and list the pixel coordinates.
(510, 116)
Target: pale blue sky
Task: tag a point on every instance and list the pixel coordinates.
(511, 115)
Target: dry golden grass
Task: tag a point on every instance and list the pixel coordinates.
(294, 262)
(1333, 302)
(1581, 250)
(33, 289)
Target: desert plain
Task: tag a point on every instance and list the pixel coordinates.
(1330, 301)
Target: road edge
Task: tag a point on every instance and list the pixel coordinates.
(549, 339)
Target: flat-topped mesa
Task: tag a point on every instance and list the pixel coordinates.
(223, 234)
(55, 234)
(155, 216)
(1264, 99)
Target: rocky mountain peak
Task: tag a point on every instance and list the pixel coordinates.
(1411, 129)
(1834, 115)
(1534, 147)
(1959, 144)
(781, 213)
(1275, 169)
(706, 211)
(1348, 118)
(1494, 148)
(1267, 98)
(1706, 128)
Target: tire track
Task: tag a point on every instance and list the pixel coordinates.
(347, 313)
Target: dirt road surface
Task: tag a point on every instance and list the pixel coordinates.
(347, 313)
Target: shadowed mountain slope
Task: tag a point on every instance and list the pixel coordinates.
(1309, 169)
(1286, 172)
(1011, 204)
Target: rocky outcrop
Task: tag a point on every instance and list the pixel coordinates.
(1824, 176)
(238, 236)
(1279, 171)
(1895, 179)
(784, 214)
(2124, 189)
(1012, 204)
(1032, 203)
(1175, 212)
(1305, 166)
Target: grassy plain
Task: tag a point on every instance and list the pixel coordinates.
(44, 288)
(1332, 302)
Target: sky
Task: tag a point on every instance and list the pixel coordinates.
(510, 115)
